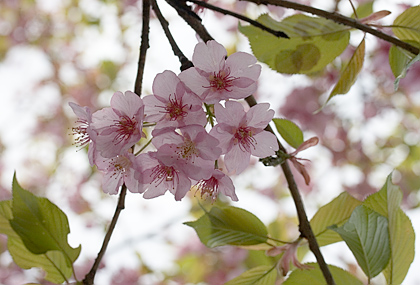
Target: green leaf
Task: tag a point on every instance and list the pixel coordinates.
(261, 275)
(289, 131)
(366, 234)
(229, 226)
(364, 10)
(407, 25)
(400, 61)
(336, 212)
(349, 75)
(41, 225)
(401, 233)
(314, 276)
(53, 262)
(314, 43)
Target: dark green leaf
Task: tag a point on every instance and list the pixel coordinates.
(366, 234)
(40, 224)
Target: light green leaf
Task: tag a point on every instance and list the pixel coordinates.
(261, 275)
(349, 74)
(314, 43)
(366, 234)
(401, 233)
(41, 225)
(289, 131)
(407, 25)
(336, 212)
(53, 262)
(364, 10)
(314, 276)
(400, 61)
(229, 225)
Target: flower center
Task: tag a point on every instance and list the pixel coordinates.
(187, 150)
(126, 127)
(82, 136)
(244, 137)
(163, 173)
(175, 110)
(119, 165)
(221, 81)
(209, 187)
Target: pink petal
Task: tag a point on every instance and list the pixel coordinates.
(266, 144)
(259, 115)
(237, 160)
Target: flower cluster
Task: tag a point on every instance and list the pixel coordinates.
(186, 152)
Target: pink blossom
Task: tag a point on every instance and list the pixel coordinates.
(241, 134)
(172, 104)
(84, 131)
(218, 182)
(193, 149)
(216, 78)
(118, 170)
(120, 126)
(158, 177)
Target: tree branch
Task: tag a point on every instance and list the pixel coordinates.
(304, 225)
(185, 63)
(89, 278)
(143, 47)
(240, 17)
(338, 18)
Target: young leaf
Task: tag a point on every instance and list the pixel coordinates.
(261, 275)
(366, 234)
(229, 226)
(407, 25)
(289, 131)
(400, 61)
(349, 75)
(337, 212)
(401, 233)
(54, 264)
(314, 43)
(40, 224)
(314, 276)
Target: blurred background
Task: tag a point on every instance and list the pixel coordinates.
(54, 52)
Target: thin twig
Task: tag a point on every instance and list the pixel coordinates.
(89, 278)
(240, 17)
(185, 63)
(190, 18)
(143, 47)
(338, 18)
(304, 225)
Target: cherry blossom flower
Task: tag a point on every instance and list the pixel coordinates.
(119, 127)
(118, 170)
(85, 134)
(216, 78)
(241, 134)
(157, 177)
(172, 104)
(193, 150)
(219, 182)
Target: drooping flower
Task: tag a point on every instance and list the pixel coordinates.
(289, 256)
(219, 182)
(216, 78)
(172, 104)
(192, 150)
(119, 127)
(241, 134)
(118, 170)
(84, 132)
(158, 177)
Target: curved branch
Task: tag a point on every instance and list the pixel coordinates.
(338, 18)
(240, 17)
